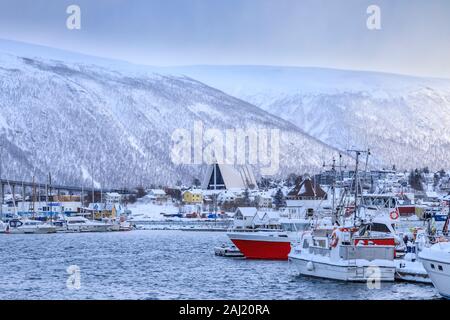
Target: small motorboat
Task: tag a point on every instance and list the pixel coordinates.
(81, 224)
(27, 226)
(228, 251)
(409, 268)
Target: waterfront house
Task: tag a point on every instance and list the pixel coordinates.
(193, 196)
(157, 195)
(243, 217)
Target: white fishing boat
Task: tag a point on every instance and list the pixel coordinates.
(342, 254)
(436, 261)
(358, 251)
(27, 226)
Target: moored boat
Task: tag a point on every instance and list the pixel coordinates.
(270, 244)
(28, 226)
(340, 255)
(228, 251)
(81, 224)
(436, 261)
(262, 244)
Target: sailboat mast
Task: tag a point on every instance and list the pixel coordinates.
(333, 204)
(33, 208)
(92, 178)
(356, 187)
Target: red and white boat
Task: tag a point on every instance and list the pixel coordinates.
(272, 244)
(262, 244)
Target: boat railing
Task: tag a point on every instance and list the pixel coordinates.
(370, 253)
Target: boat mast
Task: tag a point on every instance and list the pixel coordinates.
(34, 198)
(23, 196)
(356, 185)
(333, 188)
(92, 178)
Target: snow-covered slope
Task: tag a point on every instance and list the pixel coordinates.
(78, 120)
(404, 120)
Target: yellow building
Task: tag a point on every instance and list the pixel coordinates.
(192, 196)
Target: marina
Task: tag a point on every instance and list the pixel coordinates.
(340, 234)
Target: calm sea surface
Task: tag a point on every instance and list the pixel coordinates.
(162, 265)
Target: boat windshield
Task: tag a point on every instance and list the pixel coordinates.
(292, 226)
(374, 227)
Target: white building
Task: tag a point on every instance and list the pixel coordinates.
(265, 199)
(158, 195)
(266, 220)
(113, 197)
(243, 217)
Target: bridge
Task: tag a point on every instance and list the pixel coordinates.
(13, 184)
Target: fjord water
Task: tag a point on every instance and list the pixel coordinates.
(162, 265)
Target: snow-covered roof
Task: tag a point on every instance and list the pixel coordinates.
(194, 191)
(307, 188)
(113, 194)
(272, 214)
(158, 192)
(439, 252)
(247, 211)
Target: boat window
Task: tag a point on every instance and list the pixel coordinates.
(440, 268)
(305, 244)
(320, 243)
(301, 226)
(363, 230)
(379, 227)
(432, 266)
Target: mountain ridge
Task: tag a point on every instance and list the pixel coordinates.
(82, 121)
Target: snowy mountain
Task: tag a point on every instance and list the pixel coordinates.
(404, 120)
(82, 120)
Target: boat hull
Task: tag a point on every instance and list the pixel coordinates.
(342, 272)
(42, 230)
(228, 252)
(411, 272)
(88, 228)
(440, 279)
(263, 247)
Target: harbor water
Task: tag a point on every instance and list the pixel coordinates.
(166, 264)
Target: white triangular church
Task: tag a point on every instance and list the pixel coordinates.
(225, 177)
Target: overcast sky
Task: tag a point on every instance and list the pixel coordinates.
(414, 39)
